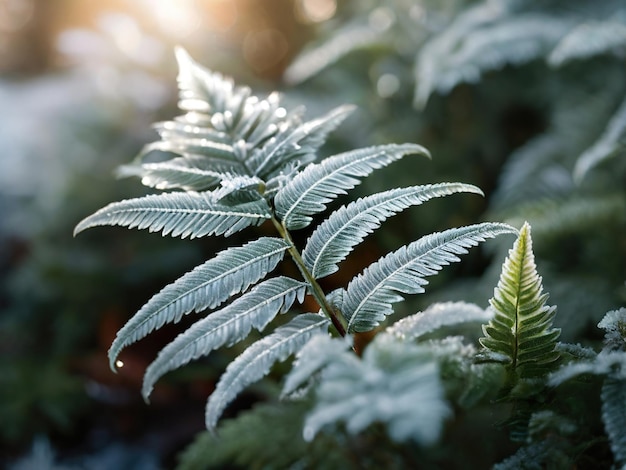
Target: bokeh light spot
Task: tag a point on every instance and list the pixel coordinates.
(315, 11)
(264, 49)
(387, 85)
(15, 14)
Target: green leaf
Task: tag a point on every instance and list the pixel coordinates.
(225, 327)
(180, 214)
(255, 362)
(334, 239)
(207, 286)
(368, 297)
(318, 184)
(521, 328)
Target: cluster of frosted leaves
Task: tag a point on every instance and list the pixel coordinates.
(394, 383)
(490, 35)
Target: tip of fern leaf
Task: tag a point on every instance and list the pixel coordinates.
(81, 226)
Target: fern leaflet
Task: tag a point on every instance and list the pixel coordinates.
(368, 297)
(297, 145)
(180, 215)
(335, 238)
(318, 184)
(436, 316)
(255, 309)
(589, 39)
(255, 362)
(208, 285)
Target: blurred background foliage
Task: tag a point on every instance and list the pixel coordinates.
(526, 99)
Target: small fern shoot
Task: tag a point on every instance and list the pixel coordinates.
(239, 161)
(520, 333)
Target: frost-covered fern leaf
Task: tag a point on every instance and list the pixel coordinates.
(612, 141)
(533, 172)
(436, 316)
(484, 38)
(521, 329)
(318, 184)
(334, 239)
(558, 218)
(614, 325)
(368, 297)
(180, 214)
(344, 40)
(605, 363)
(295, 145)
(318, 353)
(589, 39)
(614, 416)
(255, 362)
(207, 286)
(395, 383)
(191, 173)
(213, 101)
(225, 327)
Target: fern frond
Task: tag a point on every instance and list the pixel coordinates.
(368, 297)
(605, 363)
(206, 286)
(256, 361)
(318, 184)
(344, 41)
(213, 101)
(610, 142)
(533, 172)
(296, 145)
(437, 316)
(587, 40)
(255, 309)
(483, 38)
(191, 173)
(614, 325)
(557, 218)
(179, 214)
(334, 239)
(188, 127)
(220, 157)
(521, 328)
(614, 416)
(395, 383)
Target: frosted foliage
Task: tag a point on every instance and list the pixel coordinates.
(395, 384)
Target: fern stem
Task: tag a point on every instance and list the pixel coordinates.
(316, 289)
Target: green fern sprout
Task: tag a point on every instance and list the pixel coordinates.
(242, 161)
(520, 333)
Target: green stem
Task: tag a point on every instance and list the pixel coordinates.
(316, 289)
